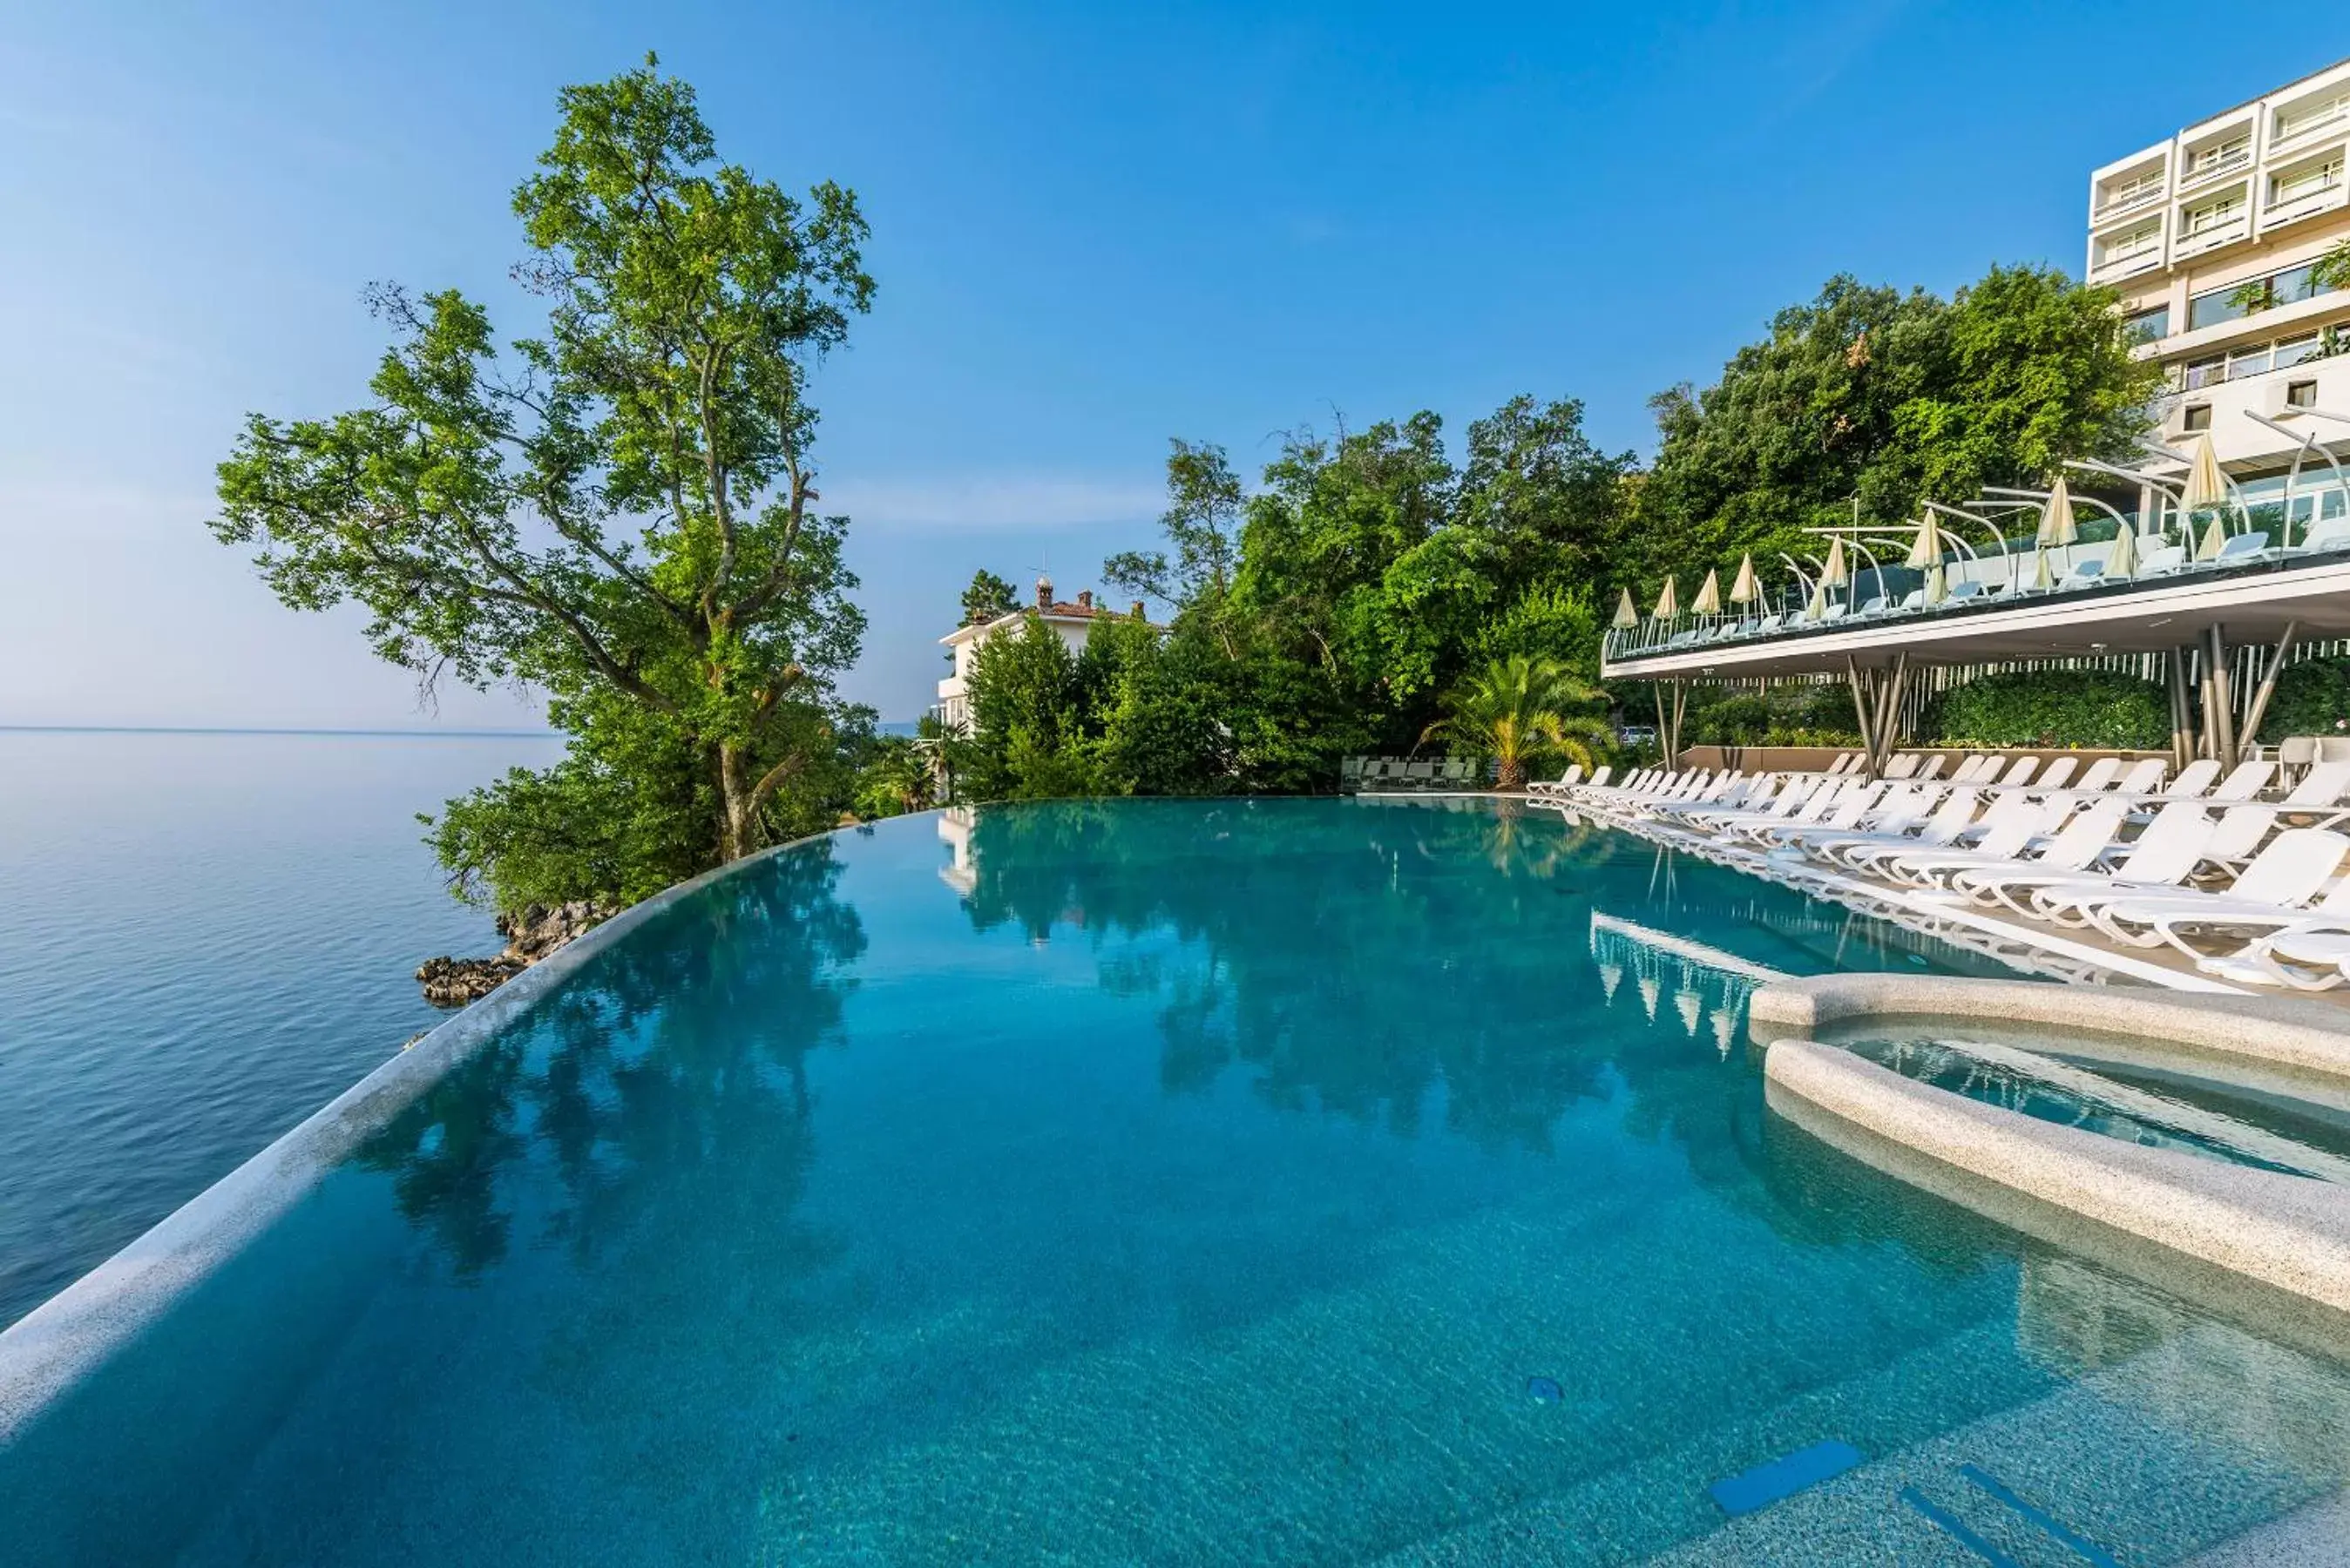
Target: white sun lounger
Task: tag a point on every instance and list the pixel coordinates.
(2273, 892)
(2158, 859)
(2071, 849)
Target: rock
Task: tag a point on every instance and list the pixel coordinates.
(530, 934)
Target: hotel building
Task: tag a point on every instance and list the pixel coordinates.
(2209, 237)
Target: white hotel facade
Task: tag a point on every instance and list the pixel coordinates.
(2209, 237)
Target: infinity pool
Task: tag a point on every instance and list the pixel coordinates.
(1280, 1182)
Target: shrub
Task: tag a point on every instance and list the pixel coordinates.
(2312, 698)
(2095, 707)
(1794, 715)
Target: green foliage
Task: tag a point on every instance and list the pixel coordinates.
(1201, 521)
(2096, 709)
(1517, 710)
(1788, 715)
(618, 509)
(895, 777)
(1373, 558)
(1890, 399)
(988, 598)
(2312, 698)
(1028, 708)
(1547, 621)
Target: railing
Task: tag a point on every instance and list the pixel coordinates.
(2292, 130)
(2196, 173)
(2310, 194)
(2129, 197)
(2264, 537)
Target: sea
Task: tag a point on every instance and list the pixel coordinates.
(204, 936)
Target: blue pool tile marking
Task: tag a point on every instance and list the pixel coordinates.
(1956, 1528)
(1766, 1483)
(2080, 1545)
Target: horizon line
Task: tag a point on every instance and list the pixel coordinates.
(267, 729)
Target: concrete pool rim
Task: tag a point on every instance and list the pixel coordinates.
(49, 1350)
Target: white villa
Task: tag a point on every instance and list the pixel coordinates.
(1073, 620)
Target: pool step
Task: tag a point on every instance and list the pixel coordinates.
(2125, 1465)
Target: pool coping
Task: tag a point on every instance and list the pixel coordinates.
(2289, 1032)
(49, 1350)
(2258, 1243)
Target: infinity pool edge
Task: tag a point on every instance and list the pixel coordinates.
(49, 1350)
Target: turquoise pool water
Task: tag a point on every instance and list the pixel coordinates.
(1166, 1182)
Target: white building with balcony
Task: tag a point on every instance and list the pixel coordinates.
(2209, 237)
(1072, 620)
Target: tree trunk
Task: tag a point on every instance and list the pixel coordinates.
(738, 825)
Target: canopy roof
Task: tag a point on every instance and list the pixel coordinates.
(2253, 603)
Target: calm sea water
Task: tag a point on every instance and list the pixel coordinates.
(203, 938)
(1169, 1182)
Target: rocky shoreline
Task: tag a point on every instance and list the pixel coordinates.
(531, 935)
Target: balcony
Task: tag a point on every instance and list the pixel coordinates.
(2202, 168)
(2122, 198)
(2300, 127)
(2293, 198)
(2125, 256)
(2211, 237)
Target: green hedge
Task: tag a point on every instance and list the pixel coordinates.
(2090, 708)
(2311, 699)
(1782, 716)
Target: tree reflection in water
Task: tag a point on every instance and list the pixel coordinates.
(628, 1098)
(1286, 920)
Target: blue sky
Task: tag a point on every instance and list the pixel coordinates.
(1095, 227)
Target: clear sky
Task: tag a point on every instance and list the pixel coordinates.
(1094, 226)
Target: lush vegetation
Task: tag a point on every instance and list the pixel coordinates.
(2093, 708)
(1367, 591)
(622, 511)
(2312, 698)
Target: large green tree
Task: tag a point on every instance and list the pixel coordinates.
(623, 509)
(1872, 398)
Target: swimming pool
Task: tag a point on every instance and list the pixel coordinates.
(1282, 1181)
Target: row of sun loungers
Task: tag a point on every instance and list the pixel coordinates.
(2233, 873)
(2154, 561)
(1355, 773)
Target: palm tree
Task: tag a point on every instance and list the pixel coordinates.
(1515, 710)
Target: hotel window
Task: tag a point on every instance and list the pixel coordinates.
(2125, 192)
(2207, 372)
(2212, 308)
(2284, 189)
(2146, 325)
(2212, 216)
(2246, 362)
(2135, 241)
(2306, 117)
(2220, 154)
(2300, 395)
(2293, 350)
(2196, 417)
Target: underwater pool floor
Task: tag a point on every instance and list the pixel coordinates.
(1169, 1182)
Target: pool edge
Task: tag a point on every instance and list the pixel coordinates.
(49, 1350)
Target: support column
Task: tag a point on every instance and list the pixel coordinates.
(2182, 716)
(1864, 709)
(1888, 710)
(2222, 719)
(2259, 708)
